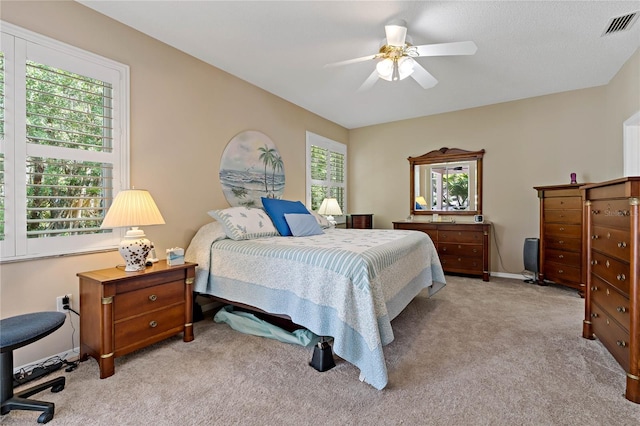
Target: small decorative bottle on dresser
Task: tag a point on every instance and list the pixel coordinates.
(612, 301)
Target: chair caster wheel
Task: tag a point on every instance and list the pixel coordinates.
(45, 417)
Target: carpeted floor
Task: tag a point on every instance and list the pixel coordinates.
(477, 353)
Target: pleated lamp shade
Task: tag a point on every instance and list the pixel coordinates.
(133, 207)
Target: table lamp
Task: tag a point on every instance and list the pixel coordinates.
(134, 208)
(328, 208)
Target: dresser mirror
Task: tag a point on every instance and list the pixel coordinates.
(446, 181)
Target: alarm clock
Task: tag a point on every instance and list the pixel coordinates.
(478, 218)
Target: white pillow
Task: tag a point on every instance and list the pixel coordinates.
(322, 221)
(243, 223)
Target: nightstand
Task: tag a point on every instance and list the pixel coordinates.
(360, 221)
(121, 312)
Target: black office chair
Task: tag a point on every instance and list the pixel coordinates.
(16, 332)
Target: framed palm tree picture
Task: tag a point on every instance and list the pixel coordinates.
(251, 167)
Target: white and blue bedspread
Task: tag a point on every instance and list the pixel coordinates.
(346, 283)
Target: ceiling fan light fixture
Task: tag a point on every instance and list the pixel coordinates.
(385, 69)
(405, 67)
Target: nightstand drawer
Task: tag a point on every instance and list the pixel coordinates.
(138, 330)
(148, 299)
(464, 265)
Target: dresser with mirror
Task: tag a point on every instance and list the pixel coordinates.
(445, 202)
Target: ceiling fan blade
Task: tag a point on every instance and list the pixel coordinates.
(369, 82)
(396, 33)
(423, 77)
(351, 61)
(447, 49)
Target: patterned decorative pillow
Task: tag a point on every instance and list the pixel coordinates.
(242, 223)
(322, 221)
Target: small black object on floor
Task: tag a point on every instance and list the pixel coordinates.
(322, 359)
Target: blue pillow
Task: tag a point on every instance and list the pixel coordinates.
(302, 225)
(276, 210)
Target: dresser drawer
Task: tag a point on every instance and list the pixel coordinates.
(561, 243)
(611, 334)
(464, 265)
(613, 242)
(611, 270)
(564, 257)
(563, 230)
(462, 250)
(561, 272)
(611, 301)
(563, 216)
(138, 330)
(460, 237)
(148, 299)
(611, 213)
(563, 203)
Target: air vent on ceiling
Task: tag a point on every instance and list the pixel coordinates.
(620, 23)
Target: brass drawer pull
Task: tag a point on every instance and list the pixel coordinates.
(561, 256)
(562, 228)
(153, 324)
(594, 262)
(621, 343)
(595, 212)
(595, 237)
(622, 244)
(621, 309)
(560, 242)
(560, 271)
(594, 288)
(153, 297)
(594, 315)
(621, 277)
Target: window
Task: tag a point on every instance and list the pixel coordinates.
(63, 146)
(326, 171)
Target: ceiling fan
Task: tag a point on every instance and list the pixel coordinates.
(396, 57)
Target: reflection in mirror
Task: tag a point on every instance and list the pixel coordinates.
(447, 181)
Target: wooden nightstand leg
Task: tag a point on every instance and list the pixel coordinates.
(188, 311)
(106, 364)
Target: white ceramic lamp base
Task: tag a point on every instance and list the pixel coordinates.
(134, 249)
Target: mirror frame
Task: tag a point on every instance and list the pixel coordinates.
(446, 155)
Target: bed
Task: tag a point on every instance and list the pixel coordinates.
(344, 283)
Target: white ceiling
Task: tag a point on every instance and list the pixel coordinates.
(525, 49)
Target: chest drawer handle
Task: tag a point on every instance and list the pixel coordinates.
(560, 242)
(594, 212)
(560, 271)
(561, 256)
(622, 244)
(153, 297)
(595, 237)
(621, 343)
(444, 249)
(621, 309)
(153, 324)
(624, 213)
(475, 250)
(594, 288)
(594, 262)
(562, 228)
(621, 277)
(594, 315)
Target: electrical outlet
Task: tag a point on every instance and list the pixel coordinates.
(60, 302)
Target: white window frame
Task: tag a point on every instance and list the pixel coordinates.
(331, 145)
(18, 46)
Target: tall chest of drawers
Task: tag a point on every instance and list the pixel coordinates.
(612, 301)
(463, 248)
(561, 239)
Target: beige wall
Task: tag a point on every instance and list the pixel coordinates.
(531, 142)
(183, 113)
